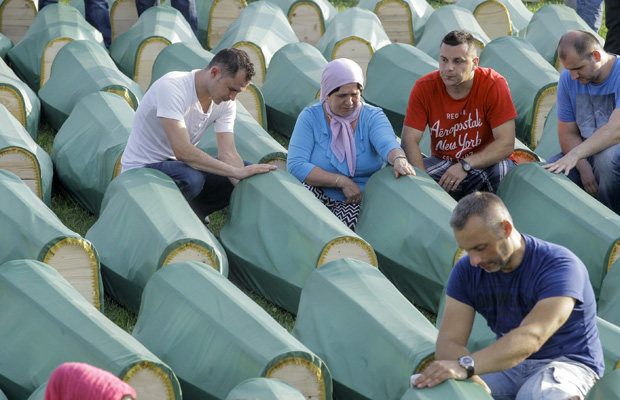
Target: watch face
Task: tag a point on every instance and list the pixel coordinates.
(467, 361)
(466, 166)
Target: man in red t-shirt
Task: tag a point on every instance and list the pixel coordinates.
(470, 115)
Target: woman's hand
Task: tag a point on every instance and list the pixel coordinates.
(402, 167)
(350, 190)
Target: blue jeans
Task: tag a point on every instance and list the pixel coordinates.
(592, 12)
(557, 379)
(606, 167)
(186, 7)
(97, 14)
(205, 192)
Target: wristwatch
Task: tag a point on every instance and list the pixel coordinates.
(466, 166)
(468, 363)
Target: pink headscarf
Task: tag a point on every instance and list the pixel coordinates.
(338, 72)
(80, 381)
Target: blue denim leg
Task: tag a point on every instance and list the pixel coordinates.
(607, 172)
(555, 379)
(98, 15)
(189, 180)
(188, 9)
(504, 385)
(558, 380)
(592, 12)
(573, 174)
(143, 5)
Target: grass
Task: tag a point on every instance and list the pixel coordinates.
(80, 220)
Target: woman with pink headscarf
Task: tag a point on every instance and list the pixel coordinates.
(338, 143)
(80, 381)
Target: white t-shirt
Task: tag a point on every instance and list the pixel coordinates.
(172, 96)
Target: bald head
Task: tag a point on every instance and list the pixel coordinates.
(581, 42)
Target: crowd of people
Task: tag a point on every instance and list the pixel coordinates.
(535, 295)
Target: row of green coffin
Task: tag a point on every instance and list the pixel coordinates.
(45, 322)
(168, 202)
(213, 336)
(156, 28)
(197, 327)
(532, 101)
(425, 254)
(137, 53)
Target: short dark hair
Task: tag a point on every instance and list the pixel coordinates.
(583, 42)
(459, 37)
(487, 206)
(231, 61)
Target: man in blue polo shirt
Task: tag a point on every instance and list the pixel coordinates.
(536, 297)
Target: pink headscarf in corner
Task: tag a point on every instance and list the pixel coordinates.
(80, 381)
(338, 72)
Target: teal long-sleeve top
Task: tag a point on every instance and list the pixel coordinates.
(309, 146)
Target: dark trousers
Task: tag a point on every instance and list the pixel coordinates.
(612, 21)
(205, 192)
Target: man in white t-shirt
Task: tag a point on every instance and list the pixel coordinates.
(173, 115)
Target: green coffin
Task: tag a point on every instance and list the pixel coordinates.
(92, 67)
(53, 27)
(551, 207)
(446, 19)
(261, 29)
(610, 295)
(418, 253)
(264, 389)
(533, 83)
(392, 72)
(253, 143)
(403, 20)
(135, 50)
(6, 44)
(146, 224)
(89, 145)
(20, 154)
(354, 33)
(180, 57)
(549, 144)
(20, 100)
(214, 336)
(610, 339)
(214, 17)
(30, 230)
(187, 57)
(309, 18)
(499, 17)
(48, 323)
(607, 388)
(295, 65)
(450, 389)
(369, 335)
(278, 233)
(548, 25)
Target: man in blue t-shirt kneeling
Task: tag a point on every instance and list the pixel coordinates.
(589, 117)
(537, 298)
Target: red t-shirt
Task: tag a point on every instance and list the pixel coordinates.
(460, 127)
